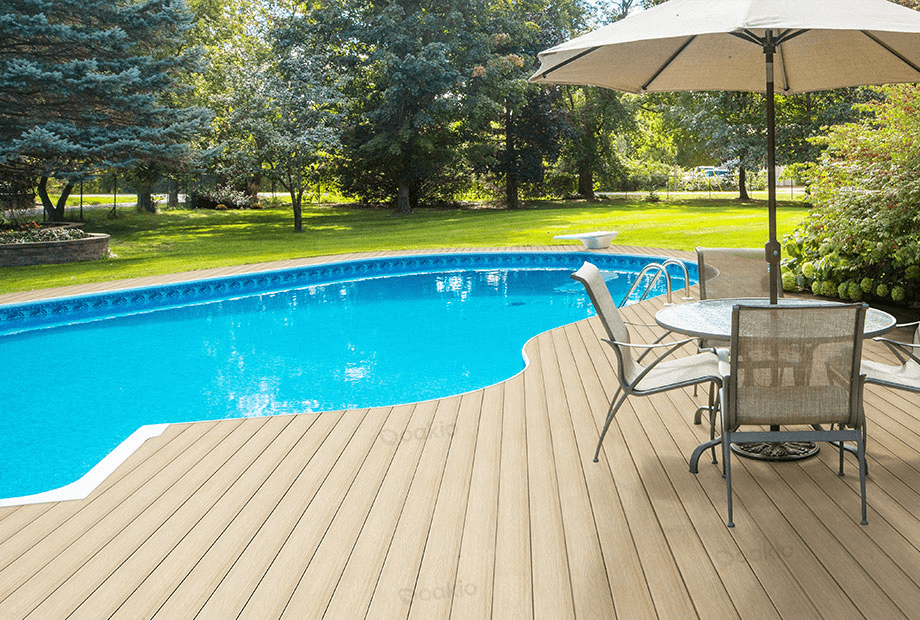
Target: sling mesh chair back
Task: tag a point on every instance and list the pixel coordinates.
(734, 273)
(793, 367)
(905, 376)
(633, 376)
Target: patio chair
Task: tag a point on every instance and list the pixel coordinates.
(727, 273)
(734, 272)
(906, 376)
(633, 376)
(822, 387)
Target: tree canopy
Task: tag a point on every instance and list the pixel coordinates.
(84, 86)
(395, 102)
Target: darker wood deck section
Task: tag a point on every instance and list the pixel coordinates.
(483, 505)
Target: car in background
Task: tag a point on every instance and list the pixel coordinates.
(711, 171)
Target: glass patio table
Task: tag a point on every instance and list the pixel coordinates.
(712, 319)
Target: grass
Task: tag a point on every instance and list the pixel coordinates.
(183, 240)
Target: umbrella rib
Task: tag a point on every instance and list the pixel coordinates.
(789, 34)
(784, 36)
(891, 50)
(669, 61)
(569, 60)
(748, 36)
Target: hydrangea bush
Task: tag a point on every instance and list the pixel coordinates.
(862, 237)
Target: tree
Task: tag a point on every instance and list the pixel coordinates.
(735, 126)
(799, 118)
(407, 64)
(235, 38)
(517, 127)
(82, 88)
(594, 114)
(303, 99)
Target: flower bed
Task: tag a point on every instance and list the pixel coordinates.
(38, 234)
(36, 245)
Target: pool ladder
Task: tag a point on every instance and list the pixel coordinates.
(659, 269)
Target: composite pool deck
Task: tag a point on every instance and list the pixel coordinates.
(483, 505)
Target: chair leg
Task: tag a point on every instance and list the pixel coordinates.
(698, 416)
(727, 465)
(840, 450)
(614, 406)
(863, 471)
(713, 410)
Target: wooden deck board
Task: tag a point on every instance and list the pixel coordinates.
(153, 575)
(358, 580)
(589, 579)
(437, 576)
(552, 589)
(473, 589)
(513, 579)
(170, 525)
(484, 505)
(397, 584)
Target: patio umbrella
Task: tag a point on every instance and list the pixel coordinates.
(792, 46)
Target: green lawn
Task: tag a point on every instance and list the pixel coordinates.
(183, 240)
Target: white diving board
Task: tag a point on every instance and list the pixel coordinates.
(596, 240)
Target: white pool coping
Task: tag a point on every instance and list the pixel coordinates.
(81, 488)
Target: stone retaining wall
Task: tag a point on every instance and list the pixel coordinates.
(51, 252)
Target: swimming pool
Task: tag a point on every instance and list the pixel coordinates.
(86, 372)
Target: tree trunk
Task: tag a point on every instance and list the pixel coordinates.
(511, 167)
(253, 187)
(172, 193)
(296, 201)
(145, 202)
(742, 184)
(586, 182)
(403, 202)
(54, 212)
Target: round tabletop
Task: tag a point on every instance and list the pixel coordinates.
(712, 318)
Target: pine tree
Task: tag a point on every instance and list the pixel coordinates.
(84, 86)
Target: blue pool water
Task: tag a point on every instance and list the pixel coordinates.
(83, 375)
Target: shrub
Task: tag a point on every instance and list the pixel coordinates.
(864, 229)
(221, 197)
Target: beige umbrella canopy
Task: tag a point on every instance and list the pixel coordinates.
(792, 46)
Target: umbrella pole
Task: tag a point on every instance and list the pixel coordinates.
(772, 248)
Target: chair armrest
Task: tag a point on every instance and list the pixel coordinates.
(902, 350)
(670, 348)
(664, 335)
(656, 345)
(655, 325)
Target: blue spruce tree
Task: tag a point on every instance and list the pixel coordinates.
(90, 85)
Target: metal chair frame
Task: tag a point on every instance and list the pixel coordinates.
(630, 371)
(854, 429)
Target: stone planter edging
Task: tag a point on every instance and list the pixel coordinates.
(52, 252)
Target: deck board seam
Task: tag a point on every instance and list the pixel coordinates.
(229, 523)
(215, 501)
(588, 325)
